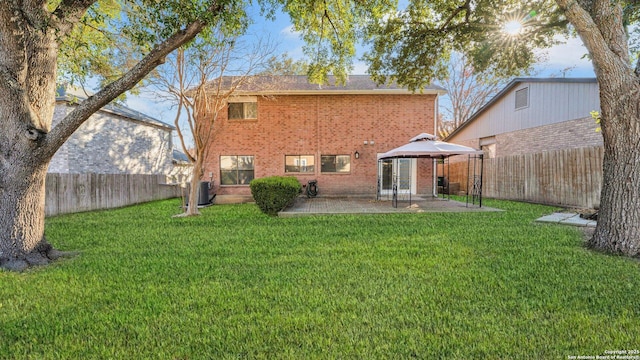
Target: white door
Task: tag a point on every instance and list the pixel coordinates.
(400, 172)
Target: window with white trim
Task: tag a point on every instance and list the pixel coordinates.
(236, 170)
(242, 110)
(299, 163)
(335, 163)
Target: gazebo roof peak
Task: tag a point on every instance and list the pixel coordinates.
(422, 136)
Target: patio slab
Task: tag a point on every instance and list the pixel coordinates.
(329, 205)
(567, 219)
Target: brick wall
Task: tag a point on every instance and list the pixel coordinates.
(324, 125)
(565, 135)
(111, 144)
(60, 162)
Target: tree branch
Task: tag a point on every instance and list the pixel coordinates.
(68, 13)
(464, 7)
(72, 121)
(602, 55)
(335, 30)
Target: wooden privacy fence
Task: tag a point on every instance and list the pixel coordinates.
(68, 193)
(571, 177)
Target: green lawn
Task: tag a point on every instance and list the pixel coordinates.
(235, 283)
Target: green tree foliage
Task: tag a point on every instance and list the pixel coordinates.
(413, 46)
(285, 65)
(115, 34)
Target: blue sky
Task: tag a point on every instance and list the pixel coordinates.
(562, 60)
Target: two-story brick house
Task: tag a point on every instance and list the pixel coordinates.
(331, 133)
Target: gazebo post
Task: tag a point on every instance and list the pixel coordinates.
(469, 176)
(446, 159)
(379, 182)
(481, 168)
(434, 165)
(476, 186)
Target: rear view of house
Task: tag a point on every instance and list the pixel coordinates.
(286, 126)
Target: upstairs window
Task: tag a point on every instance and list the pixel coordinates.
(522, 98)
(242, 110)
(335, 163)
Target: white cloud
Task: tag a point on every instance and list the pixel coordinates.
(567, 59)
(360, 68)
(289, 33)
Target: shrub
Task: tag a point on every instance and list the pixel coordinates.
(274, 193)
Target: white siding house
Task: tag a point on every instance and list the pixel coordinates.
(114, 140)
(533, 115)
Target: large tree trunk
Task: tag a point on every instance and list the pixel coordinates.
(29, 36)
(600, 26)
(618, 228)
(27, 99)
(22, 241)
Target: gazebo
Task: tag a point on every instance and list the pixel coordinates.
(426, 146)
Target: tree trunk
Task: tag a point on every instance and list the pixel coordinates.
(22, 241)
(29, 36)
(618, 228)
(196, 174)
(600, 26)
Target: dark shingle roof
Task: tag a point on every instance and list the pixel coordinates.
(180, 157)
(299, 84)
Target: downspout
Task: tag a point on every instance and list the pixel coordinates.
(434, 169)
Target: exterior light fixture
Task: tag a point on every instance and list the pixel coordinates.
(357, 155)
(366, 142)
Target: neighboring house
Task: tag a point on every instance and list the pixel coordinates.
(182, 168)
(114, 140)
(286, 126)
(532, 115)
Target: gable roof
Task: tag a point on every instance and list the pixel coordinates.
(180, 157)
(70, 97)
(300, 85)
(507, 89)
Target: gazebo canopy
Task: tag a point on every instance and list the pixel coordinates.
(426, 146)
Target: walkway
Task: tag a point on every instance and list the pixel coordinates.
(328, 205)
(567, 219)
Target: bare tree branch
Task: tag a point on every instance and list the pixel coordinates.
(199, 80)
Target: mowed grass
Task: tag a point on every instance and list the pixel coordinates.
(234, 283)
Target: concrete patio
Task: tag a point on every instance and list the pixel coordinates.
(330, 205)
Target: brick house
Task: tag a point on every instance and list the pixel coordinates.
(114, 140)
(532, 115)
(286, 126)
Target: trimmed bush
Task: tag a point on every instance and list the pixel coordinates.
(274, 193)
